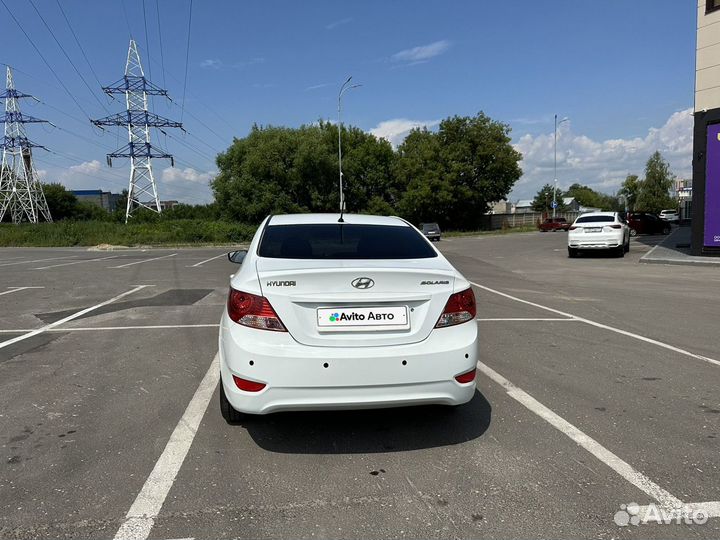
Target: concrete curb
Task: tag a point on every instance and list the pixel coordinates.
(687, 260)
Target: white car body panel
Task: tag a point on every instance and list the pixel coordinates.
(585, 236)
(310, 367)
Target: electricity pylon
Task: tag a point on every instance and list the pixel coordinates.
(142, 190)
(20, 190)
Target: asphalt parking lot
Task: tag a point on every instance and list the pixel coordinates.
(598, 387)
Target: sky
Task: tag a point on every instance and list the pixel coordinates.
(621, 72)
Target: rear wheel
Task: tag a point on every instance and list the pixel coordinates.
(230, 415)
(620, 251)
(572, 252)
(633, 232)
(627, 246)
(666, 230)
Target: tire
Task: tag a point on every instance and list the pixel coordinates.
(620, 251)
(666, 230)
(572, 253)
(633, 232)
(230, 415)
(626, 247)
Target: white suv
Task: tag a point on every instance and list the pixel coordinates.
(599, 230)
(670, 216)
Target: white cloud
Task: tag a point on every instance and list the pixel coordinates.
(316, 87)
(185, 185)
(211, 63)
(602, 165)
(177, 175)
(397, 129)
(422, 53)
(86, 167)
(335, 24)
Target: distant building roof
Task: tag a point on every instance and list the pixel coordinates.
(524, 202)
(568, 200)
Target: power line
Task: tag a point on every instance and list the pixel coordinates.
(44, 59)
(147, 39)
(97, 79)
(187, 59)
(127, 19)
(162, 58)
(67, 55)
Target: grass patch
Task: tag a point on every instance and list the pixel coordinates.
(93, 233)
(510, 230)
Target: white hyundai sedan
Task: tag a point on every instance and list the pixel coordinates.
(362, 313)
(599, 230)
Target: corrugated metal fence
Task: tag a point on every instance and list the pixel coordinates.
(494, 222)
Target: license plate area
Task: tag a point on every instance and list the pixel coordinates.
(362, 319)
(593, 229)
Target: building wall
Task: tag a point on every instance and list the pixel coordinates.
(707, 65)
(706, 217)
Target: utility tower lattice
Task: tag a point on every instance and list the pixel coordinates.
(142, 190)
(20, 190)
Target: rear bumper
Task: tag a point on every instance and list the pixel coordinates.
(595, 241)
(355, 377)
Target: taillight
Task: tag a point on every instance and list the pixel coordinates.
(616, 226)
(248, 386)
(573, 228)
(466, 377)
(459, 308)
(253, 311)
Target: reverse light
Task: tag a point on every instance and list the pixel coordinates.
(248, 386)
(464, 378)
(253, 311)
(459, 308)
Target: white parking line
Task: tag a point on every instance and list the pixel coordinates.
(603, 326)
(93, 328)
(515, 319)
(76, 262)
(69, 317)
(621, 467)
(141, 517)
(39, 260)
(143, 261)
(16, 289)
(203, 262)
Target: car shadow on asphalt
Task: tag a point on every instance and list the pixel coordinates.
(370, 431)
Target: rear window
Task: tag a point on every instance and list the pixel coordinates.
(595, 219)
(343, 241)
(430, 227)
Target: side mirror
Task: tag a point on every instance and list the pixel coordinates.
(237, 257)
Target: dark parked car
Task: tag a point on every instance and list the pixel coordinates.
(645, 223)
(431, 231)
(554, 224)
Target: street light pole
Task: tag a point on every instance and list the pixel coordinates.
(343, 89)
(555, 164)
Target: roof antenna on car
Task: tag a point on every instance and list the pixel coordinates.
(344, 88)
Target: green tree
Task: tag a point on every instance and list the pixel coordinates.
(586, 196)
(629, 191)
(654, 192)
(544, 198)
(280, 170)
(87, 211)
(452, 175)
(61, 202)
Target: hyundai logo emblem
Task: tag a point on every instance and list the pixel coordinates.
(362, 283)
